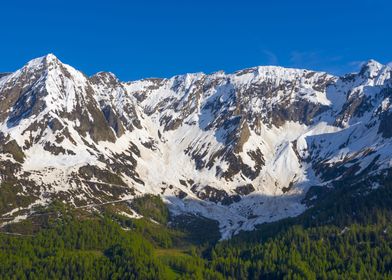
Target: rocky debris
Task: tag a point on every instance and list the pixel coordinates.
(11, 147)
(90, 172)
(212, 194)
(236, 140)
(245, 190)
(57, 150)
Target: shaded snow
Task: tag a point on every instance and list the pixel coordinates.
(289, 151)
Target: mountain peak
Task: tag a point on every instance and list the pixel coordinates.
(371, 68)
(225, 146)
(107, 76)
(50, 57)
(374, 63)
(43, 61)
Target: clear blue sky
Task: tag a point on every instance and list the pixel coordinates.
(137, 39)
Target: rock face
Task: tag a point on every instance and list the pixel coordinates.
(241, 148)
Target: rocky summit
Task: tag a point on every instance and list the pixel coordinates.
(243, 148)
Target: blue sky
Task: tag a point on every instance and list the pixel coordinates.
(138, 39)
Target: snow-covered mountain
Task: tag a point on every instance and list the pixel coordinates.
(240, 148)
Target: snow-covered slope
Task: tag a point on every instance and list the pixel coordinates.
(241, 148)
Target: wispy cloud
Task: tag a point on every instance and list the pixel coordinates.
(299, 59)
(353, 66)
(356, 63)
(312, 59)
(390, 64)
(271, 58)
(320, 60)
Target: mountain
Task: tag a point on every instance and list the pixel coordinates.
(243, 148)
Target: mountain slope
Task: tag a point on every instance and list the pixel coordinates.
(242, 148)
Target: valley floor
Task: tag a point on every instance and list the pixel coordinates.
(68, 243)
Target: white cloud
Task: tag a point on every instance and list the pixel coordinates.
(272, 59)
(354, 66)
(304, 58)
(314, 60)
(357, 63)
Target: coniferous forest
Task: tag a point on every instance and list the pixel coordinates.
(350, 238)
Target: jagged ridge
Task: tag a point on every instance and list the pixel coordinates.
(242, 148)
